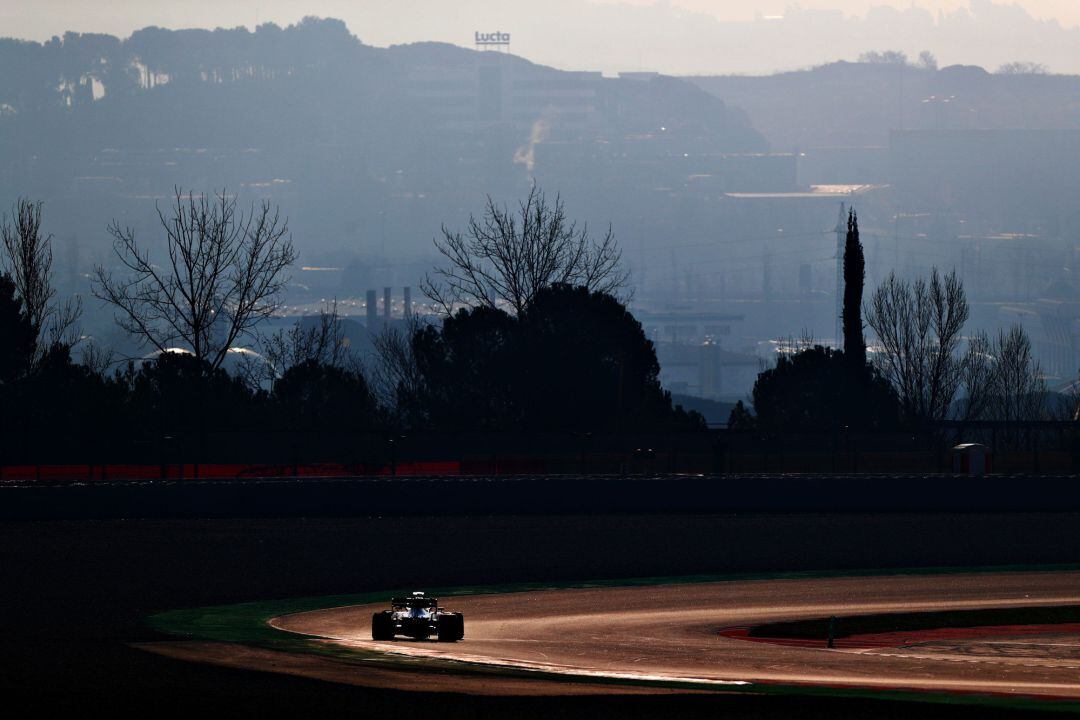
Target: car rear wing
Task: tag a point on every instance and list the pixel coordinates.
(415, 601)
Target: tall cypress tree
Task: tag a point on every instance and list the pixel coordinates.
(854, 276)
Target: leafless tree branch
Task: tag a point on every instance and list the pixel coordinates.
(1017, 390)
(918, 326)
(223, 275)
(395, 377)
(506, 257)
(323, 342)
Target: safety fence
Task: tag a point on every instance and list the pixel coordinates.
(1031, 448)
(216, 471)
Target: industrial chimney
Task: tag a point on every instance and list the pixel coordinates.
(372, 310)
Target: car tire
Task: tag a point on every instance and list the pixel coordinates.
(381, 627)
(451, 627)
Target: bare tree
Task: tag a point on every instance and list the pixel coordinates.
(28, 259)
(918, 326)
(322, 342)
(1017, 389)
(1004, 383)
(506, 257)
(223, 274)
(977, 377)
(396, 379)
(98, 359)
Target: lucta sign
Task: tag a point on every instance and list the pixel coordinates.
(492, 38)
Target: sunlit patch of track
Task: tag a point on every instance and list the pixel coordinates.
(670, 634)
(418, 651)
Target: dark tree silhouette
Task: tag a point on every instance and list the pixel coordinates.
(854, 277)
(741, 418)
(16, 335)
(177, 391)
(320, 396)
(469, 369)
(587, 365)
(44, 396)
(28, 260)
(819, 389)
(573, 360)
(59, 397)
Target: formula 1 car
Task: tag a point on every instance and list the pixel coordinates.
(419, 617)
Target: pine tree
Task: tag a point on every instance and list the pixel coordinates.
(854, 276)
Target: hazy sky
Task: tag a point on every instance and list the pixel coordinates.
(608, 35)
(1067, 12)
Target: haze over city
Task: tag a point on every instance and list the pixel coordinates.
(722, 190)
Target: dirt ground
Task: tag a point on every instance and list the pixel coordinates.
(75, 592)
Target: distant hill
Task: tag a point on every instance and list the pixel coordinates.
(367, 149)
(675, 37)
(857, 104)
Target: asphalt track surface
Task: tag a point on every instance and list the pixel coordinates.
(672, 634)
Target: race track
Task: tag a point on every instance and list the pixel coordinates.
(672, 634)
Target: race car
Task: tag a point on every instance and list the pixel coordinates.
(419, 617)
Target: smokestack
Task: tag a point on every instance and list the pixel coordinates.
(408, 303)
(372, 310)
(386, 305)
